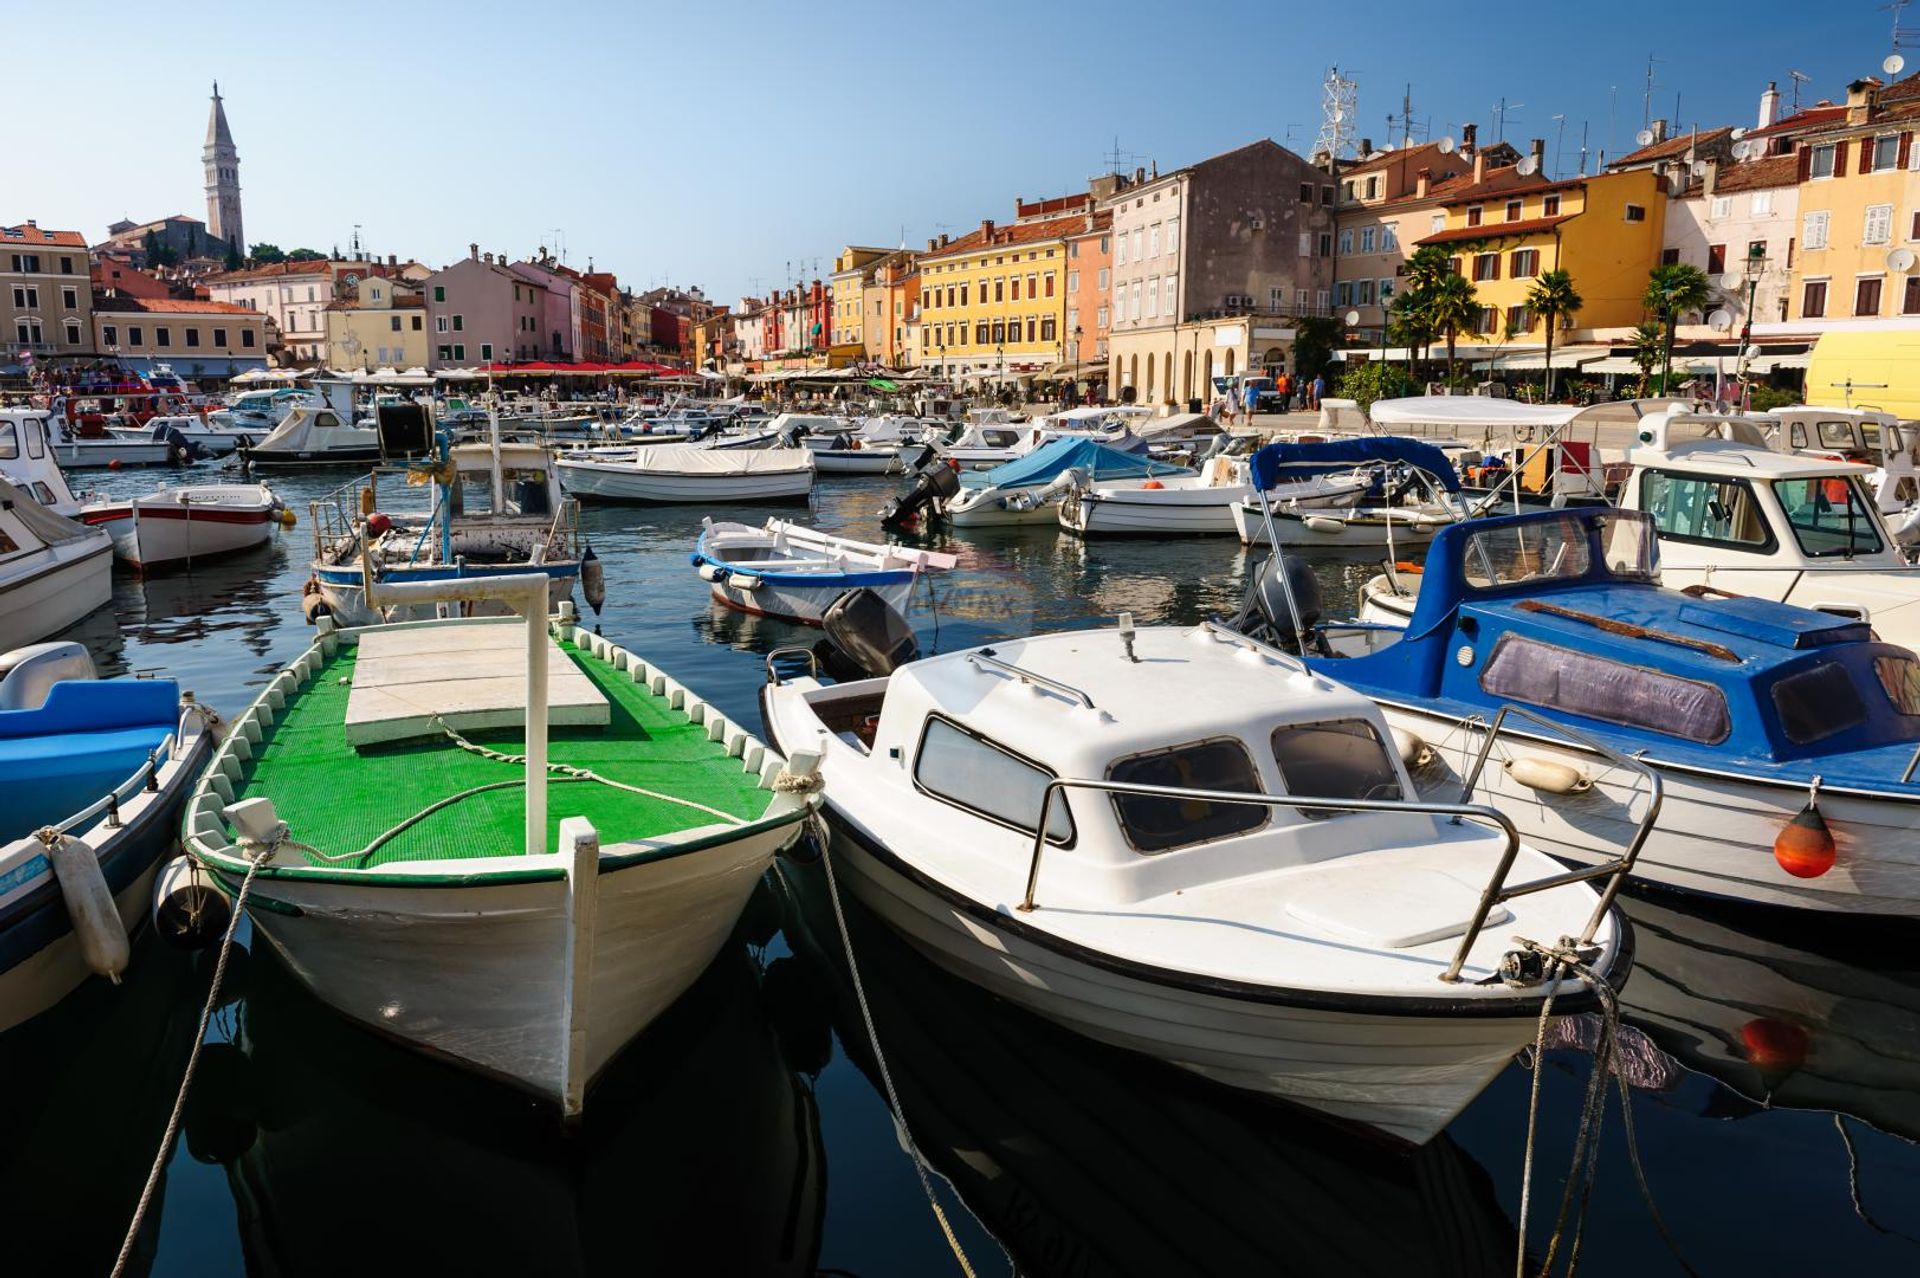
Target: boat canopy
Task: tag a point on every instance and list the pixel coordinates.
(1457, 411)
(1045, 463)
(1344, 454)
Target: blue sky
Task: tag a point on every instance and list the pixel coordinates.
(731, 146)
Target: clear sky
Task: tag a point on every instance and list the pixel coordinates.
(732, 145)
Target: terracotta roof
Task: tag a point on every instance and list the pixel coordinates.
(164, 305)
(1816, 116)
(1102, 221)
(1493, 182)
(1496, 230)
(983, 238)
(1757, 175)
(1671, 147)
(28, 235)
(1381, 160)
(272, 270)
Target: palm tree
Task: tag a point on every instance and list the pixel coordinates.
(1672, 291)
(1552, 295)
(1453, 306)
(1647, 338)
(1407, 324)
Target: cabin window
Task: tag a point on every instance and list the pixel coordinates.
(1829, 516)
(9, 440)
(7, 544)
(1836, 435)
(1579, 683)
(1900, 680)
(1704, 511)
(1156, 824)
(987, 780)
(1334, 759)
(1814, 704)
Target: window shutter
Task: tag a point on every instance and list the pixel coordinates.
(1839, 159)
(1906, 149)
(1805, 167)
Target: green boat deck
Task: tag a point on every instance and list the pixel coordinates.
(340, 799)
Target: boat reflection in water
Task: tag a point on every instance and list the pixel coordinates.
(90, 1084)
(1083, 1160)
(700, 1152)
(1786, 1023)
(240, 595)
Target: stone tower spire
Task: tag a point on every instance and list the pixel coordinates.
(222, 164)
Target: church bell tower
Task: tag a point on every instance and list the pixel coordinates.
(222, 164)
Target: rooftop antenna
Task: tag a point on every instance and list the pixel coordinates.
(356, 242)
(1404, 122)
(1799, 78)
(560, 242)
(1646, 101)
(1583, 148)
(1502, 114)
(1904, 37)
(1339, 99)
(1559, 136)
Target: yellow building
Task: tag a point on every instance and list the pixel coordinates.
(852, 272)
(383, 326)
(993, 302)
(1605, 231)
(1859, 209)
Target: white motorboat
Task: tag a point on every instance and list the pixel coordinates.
(214, 438)
(1028, 489)
(683, 474)
(1193, 504)
(1424, 502)
(179, 525)
(1236, 879)
(794, 573)
(93, 773)
(27, 459)
(423, 890)
(315, 435)
(1869, 437)
(53, 571)
(109, 452)
(985, 444)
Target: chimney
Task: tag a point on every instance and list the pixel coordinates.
(487, 258)
(1863, 100)
(1659, 128)
(932, 245)
(1537, 149)
(1769, 105)
(1712, 178)
(1366, 147)
(1469, 139)
(1422, 183)
(986, 229)
(473, 252)
(1479, 166)
(392, 260)
(32, 223)
(1139, 176)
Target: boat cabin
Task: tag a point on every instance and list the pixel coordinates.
(1563, 611)
(983, 731)
(26, 459)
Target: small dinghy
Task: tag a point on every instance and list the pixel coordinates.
(1027, 490)
(679, 474)
(389, 794)
(1183, 843)
(180, 525)
(794, 573)
(1425, 500)
(53, 570)
(1194, 504)
(92, 776)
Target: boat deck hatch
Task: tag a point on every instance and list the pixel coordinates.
(1409, 908)
(1774, 623)
(472, 677)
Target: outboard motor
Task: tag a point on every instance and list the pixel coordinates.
(932, 483)
(866, 638)
(180, 449)
(794, 434)
(1264, 613)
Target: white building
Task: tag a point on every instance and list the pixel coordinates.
(1735, 216)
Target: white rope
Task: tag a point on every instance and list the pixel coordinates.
(880, 1061)
(255, 861)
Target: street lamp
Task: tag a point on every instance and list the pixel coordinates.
(1753, 267)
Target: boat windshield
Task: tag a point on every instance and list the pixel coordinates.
(1335, 759)
(1830, 516)
(1560, 550)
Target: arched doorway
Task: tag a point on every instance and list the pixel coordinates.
(1206, 376)
(1166, 376)
(1133, 372)
(1274, 361)
(1186, 376)
(1150, 363)
(1226, 364)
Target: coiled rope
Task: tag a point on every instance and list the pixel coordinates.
(880, 1060)
(1584, 1167)
(257, 855)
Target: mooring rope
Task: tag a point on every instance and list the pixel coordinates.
(880, 1060)
(255, 860)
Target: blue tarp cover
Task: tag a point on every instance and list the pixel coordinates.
(1344, 454)
(1045, 463)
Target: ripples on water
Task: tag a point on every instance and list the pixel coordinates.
(1777, 1072)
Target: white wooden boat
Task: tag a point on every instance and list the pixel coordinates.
(682, 474)
(178, 525)
(785, 570)
(110, 453)
(1181, 843)
(1192, 504)
(53, 571)
(107, 763)
(423, 891)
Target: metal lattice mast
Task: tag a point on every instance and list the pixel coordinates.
(1339, 99)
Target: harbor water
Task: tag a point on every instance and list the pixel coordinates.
(1773, 1065)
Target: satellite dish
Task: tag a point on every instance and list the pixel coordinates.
(1527, 167)
(1386, 148)
(1720, 321)
(1894, 64)
(1644, 137)
(1698, 168)
(1754, 352)
(1353, 317)
(1447, 144)
(1738, 133)
(1741, 149)
(1900, 261)
(1731, 282)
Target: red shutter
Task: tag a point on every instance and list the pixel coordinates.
(1906, 147)
(1805, 167)
(1839, 159)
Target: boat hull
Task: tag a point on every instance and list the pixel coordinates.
(311, 456)
(67, 582)
(603, 482)
(149, 533)
(808, 603)
(99, 454)
(996, 512)
(1354, 531)
(857, 461)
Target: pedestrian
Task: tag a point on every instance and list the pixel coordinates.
(1319, 389)
(1250, 392)
(1283, 385)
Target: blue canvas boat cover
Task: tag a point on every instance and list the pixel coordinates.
(1296, 460)
(1044, 464)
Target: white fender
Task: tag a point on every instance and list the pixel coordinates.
(188, 911)
(96, 920)
(744, 581)
(712, 572)
(1321, 524)
(1414, 751)
(1547, 776)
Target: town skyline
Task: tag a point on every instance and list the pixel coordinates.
(745, 208)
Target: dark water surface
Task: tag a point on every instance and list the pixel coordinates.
(1775, 1071)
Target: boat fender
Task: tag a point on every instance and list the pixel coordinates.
(593, 580)
(712, 572)
(1414, 751)
(1805, 846)
(90, 907)
(1322, 524)
(379, 525)
(1547, 776)
(315, 606)
(743, 581)
(286, 518)
(189, 913)
(1152, 485)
